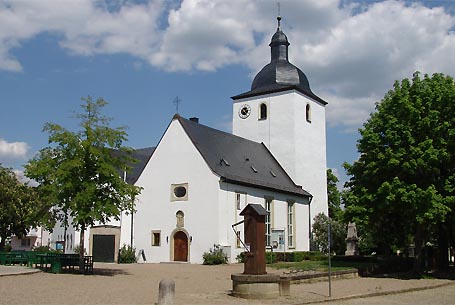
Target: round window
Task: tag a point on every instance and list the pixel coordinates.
(180, 191)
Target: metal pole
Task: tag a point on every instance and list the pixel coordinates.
(330, 263)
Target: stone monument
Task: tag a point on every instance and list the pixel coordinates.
(351, 241)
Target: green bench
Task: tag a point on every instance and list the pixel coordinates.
(13, 258)
(32, 258)
(56, 262)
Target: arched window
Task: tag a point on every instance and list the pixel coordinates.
(180, 219)
(308, 113)
(263, 112)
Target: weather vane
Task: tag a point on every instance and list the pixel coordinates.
(279, 14)
(177, 102)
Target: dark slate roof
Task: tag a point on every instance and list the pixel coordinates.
(257, 208)
(142, 156)
(279, 75)
(240, 161)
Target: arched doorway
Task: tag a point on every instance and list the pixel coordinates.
(180, 246)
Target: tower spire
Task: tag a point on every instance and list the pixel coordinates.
(279, 43)
(278, 18)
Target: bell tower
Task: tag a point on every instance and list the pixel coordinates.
(282, 112)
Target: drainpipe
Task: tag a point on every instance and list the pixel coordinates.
(309, 222)
(131, 228)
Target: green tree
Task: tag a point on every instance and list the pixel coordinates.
(19, 207)
(334, 196)
(79, 172)
(321, 234)
(402, 186)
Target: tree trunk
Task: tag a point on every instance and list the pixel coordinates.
(81, 249)
(2, 243)
(418, 260)
(443, 247)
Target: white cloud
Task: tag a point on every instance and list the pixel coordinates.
(351, 54)
(348, 113)
(364, 54)
(22, 178)
(13, 150)
(207, 35)
(86, 27)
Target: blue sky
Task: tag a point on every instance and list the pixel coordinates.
(140, 55)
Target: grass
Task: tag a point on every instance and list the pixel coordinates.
(321, 265)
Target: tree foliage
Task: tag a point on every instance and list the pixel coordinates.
(79, 172)
(403, 184)
(334, 196)
(321, 234)
(19, 207)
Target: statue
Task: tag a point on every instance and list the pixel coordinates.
(351, 241)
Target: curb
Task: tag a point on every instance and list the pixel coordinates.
(31, 271)
(375, 294)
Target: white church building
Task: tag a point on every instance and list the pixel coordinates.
(197, 179)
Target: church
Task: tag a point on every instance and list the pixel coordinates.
(197, 179)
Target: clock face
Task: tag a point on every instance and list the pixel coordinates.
(244, 111)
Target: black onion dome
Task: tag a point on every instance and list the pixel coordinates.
(279, 74)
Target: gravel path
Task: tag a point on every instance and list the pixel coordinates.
(195, 284)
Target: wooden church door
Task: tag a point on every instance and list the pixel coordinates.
(180, 247)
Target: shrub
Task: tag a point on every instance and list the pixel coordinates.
(42, 249)
(8, 248)
(127, 255)
(320, 234)
(298, 256)
(77, 249)
(215, 256)
(270, 257)
(240, 258)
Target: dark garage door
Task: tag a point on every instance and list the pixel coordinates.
(103, 248)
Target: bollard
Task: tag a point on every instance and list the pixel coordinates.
(166, 292)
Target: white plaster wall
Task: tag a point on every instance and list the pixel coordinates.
(125, 229)
(176, 160)
(311, 145)
(230, 215)
(58, 235)
(299, 146)
(38, 237)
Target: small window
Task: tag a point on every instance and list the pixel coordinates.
(238, 239)
(179, 192)
(268, 221)
(263, 112)
(237, 201)
(308, 113)
(156, 238)
(291, 225)
(180, 219)
(25, 242)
